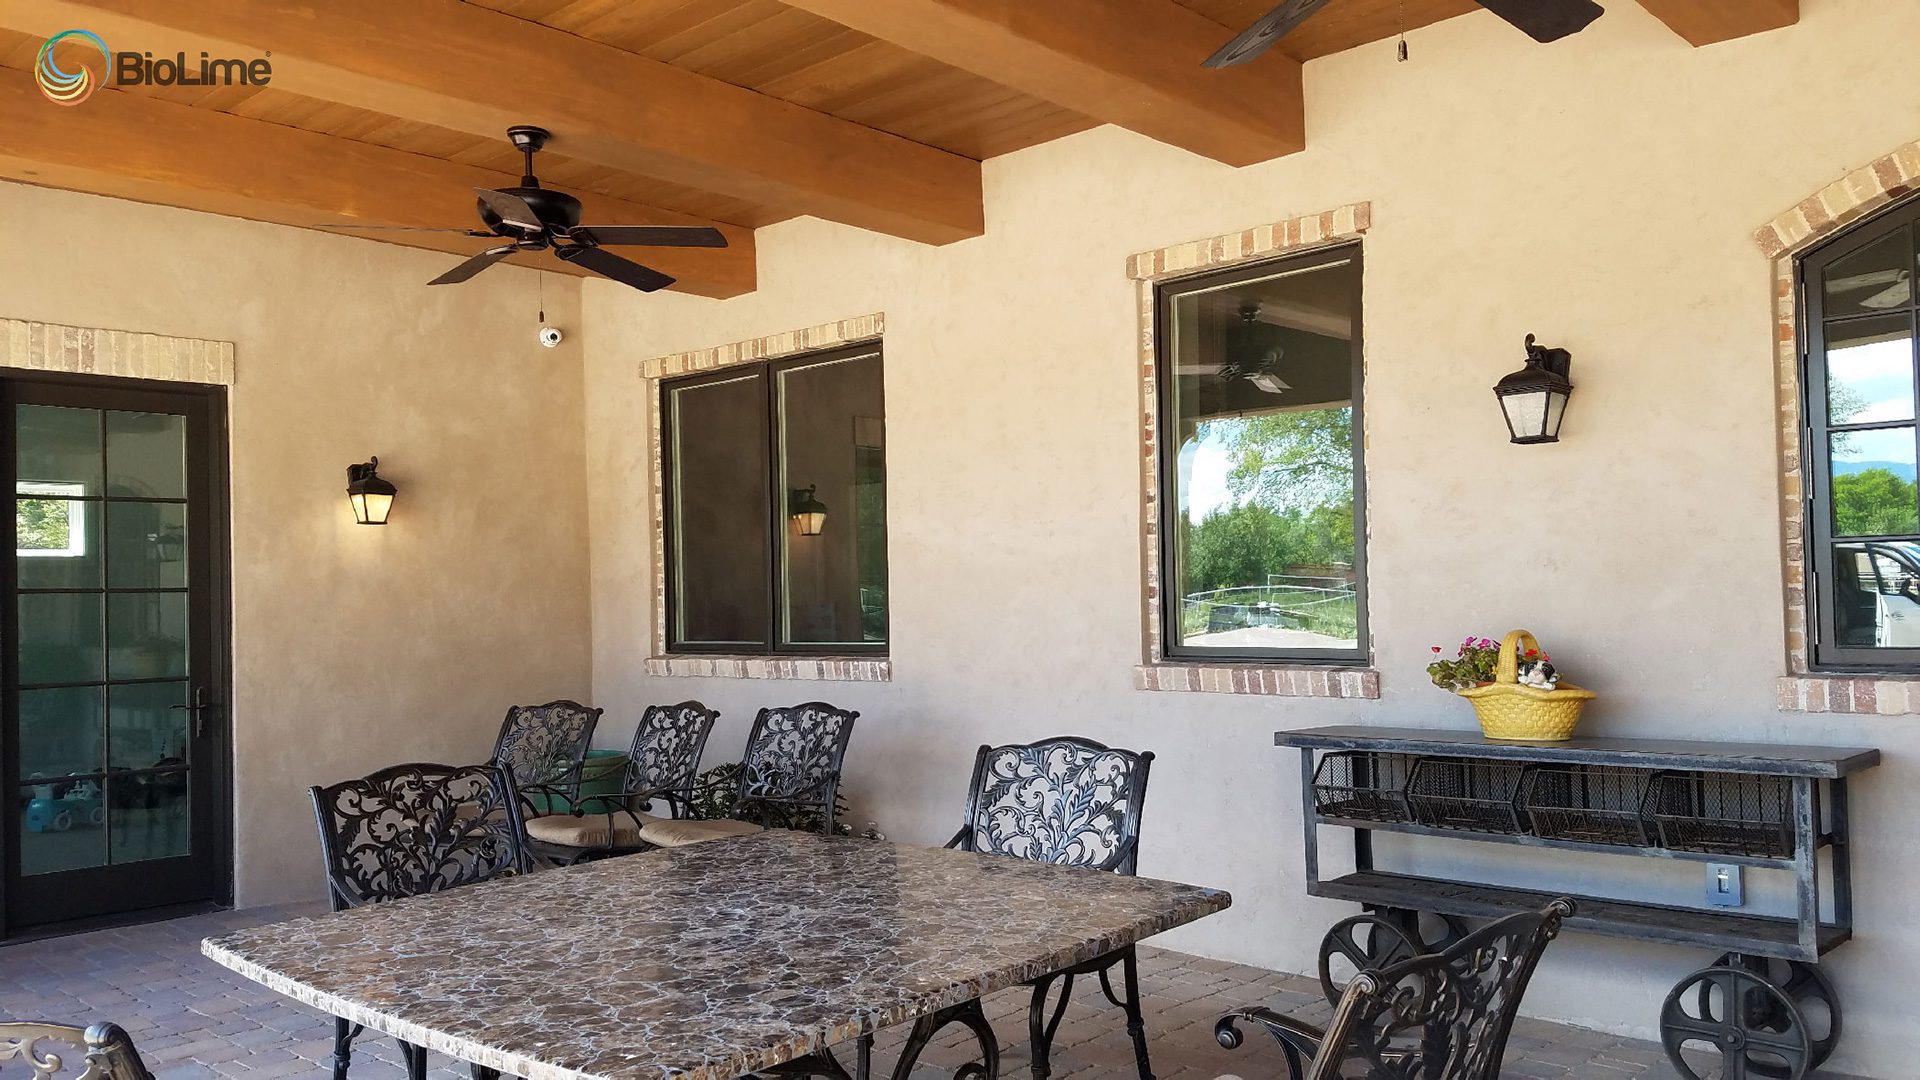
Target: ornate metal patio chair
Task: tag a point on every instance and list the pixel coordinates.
(1437, 1016)
(1071, 802)
(413, 829)
(663, 764)
(104, 1052)
(791, 766)
(545, 747)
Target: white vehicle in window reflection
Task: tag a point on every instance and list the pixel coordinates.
(1877, 593)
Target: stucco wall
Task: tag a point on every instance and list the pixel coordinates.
(354, 647)
(1602, 193)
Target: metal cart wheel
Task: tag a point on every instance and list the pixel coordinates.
(1429, 930)
(1364, 942)
(1811, 992)
(1753, 1024)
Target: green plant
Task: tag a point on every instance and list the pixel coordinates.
(715, 791)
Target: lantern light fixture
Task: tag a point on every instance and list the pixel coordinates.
(169, 543)
(809, 513)
(1534, 398)
(370, 496)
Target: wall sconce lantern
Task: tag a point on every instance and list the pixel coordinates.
(807, 512)
(169, 544)
(1535, 397)
(370, 496)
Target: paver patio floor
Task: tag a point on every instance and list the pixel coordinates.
(194, 1019)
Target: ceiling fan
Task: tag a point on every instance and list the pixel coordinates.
(1543, 21)
(1246, 359)
(1894, 285)
(531, 218)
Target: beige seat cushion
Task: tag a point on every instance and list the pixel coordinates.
(589, 830)
(668, 832)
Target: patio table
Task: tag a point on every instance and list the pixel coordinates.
(710, 961)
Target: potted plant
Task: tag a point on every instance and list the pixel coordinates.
(1514, 687)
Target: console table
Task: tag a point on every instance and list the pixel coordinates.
(1770, 807)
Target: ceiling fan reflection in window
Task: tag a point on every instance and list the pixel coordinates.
(1542, 20)
(1251, 355)
(1895, 287)
(534, 218)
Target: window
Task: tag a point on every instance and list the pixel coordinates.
(1261, 528)
(1863, 511)
(51, 521)
(776, 506)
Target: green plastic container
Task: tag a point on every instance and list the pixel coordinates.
(603, 772)
(600, 775)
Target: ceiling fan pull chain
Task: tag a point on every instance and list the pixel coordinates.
(1403, 31)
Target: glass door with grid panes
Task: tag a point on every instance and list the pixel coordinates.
(113, 748)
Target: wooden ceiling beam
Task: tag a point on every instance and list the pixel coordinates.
(1134, 63)
(1705, 22)
(470, 69)
(136, 147)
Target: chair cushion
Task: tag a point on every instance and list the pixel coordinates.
(669, 832)
(589, 830)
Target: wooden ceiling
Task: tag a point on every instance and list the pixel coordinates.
(740, 113)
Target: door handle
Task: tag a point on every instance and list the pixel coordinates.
(198, 708)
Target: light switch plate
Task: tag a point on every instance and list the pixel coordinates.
(1724, 885)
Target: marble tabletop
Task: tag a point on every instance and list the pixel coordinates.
(702, 962)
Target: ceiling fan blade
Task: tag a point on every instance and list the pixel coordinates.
(512, 209)
(1867, 280)
(474, 265)
(650, 235)
(609, 265)
(1546, 20)
(1259, 37)
(1892, 296)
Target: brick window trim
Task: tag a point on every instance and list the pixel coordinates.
(664, 664)
(1156, 672)
(1783, 240)
(126, 354)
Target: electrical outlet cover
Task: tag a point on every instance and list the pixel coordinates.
(1724, 885)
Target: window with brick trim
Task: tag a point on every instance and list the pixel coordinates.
(774, 503)
(1862, 443)
(1262, 534)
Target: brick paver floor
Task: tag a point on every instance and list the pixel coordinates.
(194, 1019)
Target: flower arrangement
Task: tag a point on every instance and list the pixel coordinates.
(1512, 686)
(1474, 662)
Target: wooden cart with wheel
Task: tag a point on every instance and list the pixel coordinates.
(1762, 1004)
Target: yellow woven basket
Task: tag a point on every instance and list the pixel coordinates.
(1519, 713)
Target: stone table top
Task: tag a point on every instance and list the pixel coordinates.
(702, 962)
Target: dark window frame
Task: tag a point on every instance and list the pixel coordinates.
(1824, 651)
(768, 372)
(1168, 459)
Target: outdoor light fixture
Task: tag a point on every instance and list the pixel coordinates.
(1535, 397)
(808, 512)
(371, 497)
(169, 544)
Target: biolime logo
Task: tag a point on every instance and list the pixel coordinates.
(64, 87)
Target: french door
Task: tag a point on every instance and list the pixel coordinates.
(113, 748)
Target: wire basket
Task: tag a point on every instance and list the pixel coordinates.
(1593, 804)
(1467, 793)
(1722, 814)
(1362, 786)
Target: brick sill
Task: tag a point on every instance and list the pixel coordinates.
(1882, 695)
(812, 668)
(1269, 680)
